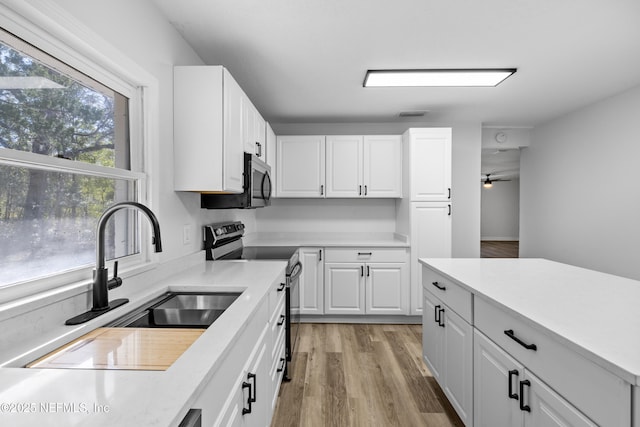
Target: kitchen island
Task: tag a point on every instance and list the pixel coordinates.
(77, 397)
(541, 337)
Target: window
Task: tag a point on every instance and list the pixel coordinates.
(64, 158)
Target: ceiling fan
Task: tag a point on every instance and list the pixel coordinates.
(488, 182)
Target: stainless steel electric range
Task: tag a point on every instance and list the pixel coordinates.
(223, 241)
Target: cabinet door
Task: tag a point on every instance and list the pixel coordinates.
(430, 238)
(344, 166)
(344, 288)
(547, 408)
(233, 169)
(259, 128)
(311, 281)
(432, 348)
(430, 164)
(300, 171)
(496, 378)
(382, 166)
(386, 288)
(458, 364)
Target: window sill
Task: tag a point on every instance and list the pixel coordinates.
(41, 299)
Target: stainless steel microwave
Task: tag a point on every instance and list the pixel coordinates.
(257, 188)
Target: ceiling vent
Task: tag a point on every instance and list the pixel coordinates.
(412, 113)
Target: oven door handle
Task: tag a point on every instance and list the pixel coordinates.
(295, 271)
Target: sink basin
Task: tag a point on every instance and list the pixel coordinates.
(179, 310)
(192, 309)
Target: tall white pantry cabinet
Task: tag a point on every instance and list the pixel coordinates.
(426, 209)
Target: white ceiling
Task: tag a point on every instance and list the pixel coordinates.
(303, 61)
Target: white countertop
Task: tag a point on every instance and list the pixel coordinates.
(61, 397)
(328, 239)
(593, 313)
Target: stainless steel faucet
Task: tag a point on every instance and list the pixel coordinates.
(101, 282)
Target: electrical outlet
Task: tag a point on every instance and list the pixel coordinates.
(186, 234)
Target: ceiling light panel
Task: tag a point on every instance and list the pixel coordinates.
(437, 78)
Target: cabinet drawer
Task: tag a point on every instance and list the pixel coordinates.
(276, 295)
(277, 326)
(455, 296)
(599, 394)
(366, 255)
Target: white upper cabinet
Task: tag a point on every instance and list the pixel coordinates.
(430, 164)
(356, 166)
(254, 128)
(382, 174)
(300, 166)
(344, 166)
(208, 146)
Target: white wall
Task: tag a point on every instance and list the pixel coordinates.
(138, 30)
(466, 195)
(580, 188)
(500, 211)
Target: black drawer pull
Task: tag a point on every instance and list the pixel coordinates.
(439, 286)
(281, 287)
(281, 321)
(281, 368)
(512, 395)
(524, 407)
(246, 411)
(365, 253)
(255, 386)
(510, 334)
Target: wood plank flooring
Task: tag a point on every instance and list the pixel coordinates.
(361, 375)
(499, 249)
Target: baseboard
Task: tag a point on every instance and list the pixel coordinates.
(499, 239)
(383, 319)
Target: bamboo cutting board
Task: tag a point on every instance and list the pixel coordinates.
(153, 349)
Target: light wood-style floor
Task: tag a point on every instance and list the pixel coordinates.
(499, 249)
(361, 375)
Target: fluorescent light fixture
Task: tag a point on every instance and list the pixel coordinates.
(454, 77)
(28, 82)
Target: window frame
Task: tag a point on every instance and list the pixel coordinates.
(55, 32)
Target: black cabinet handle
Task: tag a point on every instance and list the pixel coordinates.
(365, 253)
(439, 286)
(281, 287)
(436, 311)
(368, 271)
(322, 190)
(524, 407)
(359, 190)
(365, 190)
(247, 410)
(449, 206)
(512, 335)
(320, 255)
(512, 395)
(440, 318)
(362, 271)
(251, 376)
(281, 368)
(281, 321)
(449, 189)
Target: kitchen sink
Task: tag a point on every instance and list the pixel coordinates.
(178, 310)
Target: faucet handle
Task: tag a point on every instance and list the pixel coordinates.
(115, 281)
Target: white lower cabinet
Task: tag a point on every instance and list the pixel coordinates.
(311, 286)
(244, 388)
(366, 281)
(447, 345)
(508, 395)
(248, 403)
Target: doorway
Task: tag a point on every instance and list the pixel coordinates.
(500, 203)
